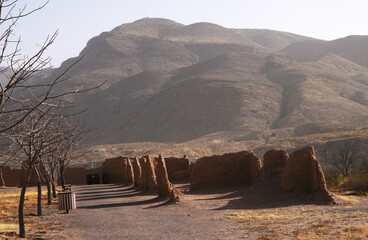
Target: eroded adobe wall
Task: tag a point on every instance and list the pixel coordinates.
(149, 170)
(11, 176)
(304, 173)
(113, 170)
(273, 165)
(177, 168)
(164, 187)
(230, 169)
(78, 176)
(137, 172)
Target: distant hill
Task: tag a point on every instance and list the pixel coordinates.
(352, 48)
(203, 83)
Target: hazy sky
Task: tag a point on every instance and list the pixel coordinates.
(80, 20)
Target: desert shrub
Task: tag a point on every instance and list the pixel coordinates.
(333, 181)
(356, 183)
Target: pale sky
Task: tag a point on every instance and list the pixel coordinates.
(80, 20)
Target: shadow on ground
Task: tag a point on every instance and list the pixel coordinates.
(95, 196)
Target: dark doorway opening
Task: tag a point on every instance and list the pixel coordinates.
(93, 178)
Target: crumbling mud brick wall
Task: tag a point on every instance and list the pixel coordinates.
(15, 177)
(303, 173)
(112, 170)
(130, 171)
(273, 165)
(78, 176)
(225, 170)
(164, 186)
(149, 170)
(177, 168)
(137, 172)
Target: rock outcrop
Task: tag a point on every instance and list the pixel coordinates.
(225, 170)
(304, 173)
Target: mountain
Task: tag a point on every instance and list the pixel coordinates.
(202, 83)
(352, 48)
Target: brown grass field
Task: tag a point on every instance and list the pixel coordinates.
(36, 227)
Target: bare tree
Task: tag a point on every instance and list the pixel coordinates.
(27, 99)
(346, 158)
(73, 132)
(29, 142)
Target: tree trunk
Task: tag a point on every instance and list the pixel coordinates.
(2, 182)
(22, 230)
(39, 194)
(53, 189)
(62, 177)
(48, 185)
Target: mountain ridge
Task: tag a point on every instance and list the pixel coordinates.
(175, 83)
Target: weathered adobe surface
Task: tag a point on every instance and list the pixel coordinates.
(164, 187)
(177, 168)
(113, 167)
(301, 172)
(130, 172)
(304, 173)
(142, 163)
(225, 170)
(151, 182)
(137, 172)
(273, 164)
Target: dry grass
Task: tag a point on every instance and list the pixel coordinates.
(344, 221)
(36, 227)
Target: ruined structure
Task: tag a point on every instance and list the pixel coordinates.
(304, 173)
(149, 171)
(112, 170)
(273, 165)
(164, 187)
(225, 170)
(130, 171)
(137, 172)
(280, 173)
(177, 168)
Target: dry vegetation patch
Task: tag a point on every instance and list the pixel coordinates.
(44, 227)
(347, 220)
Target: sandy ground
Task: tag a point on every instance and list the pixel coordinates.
(124, 212)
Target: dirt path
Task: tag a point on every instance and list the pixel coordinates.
(123, 212)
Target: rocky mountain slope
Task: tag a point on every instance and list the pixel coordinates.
(175, 83)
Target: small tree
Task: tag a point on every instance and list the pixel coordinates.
(346, 158)
(73, 132)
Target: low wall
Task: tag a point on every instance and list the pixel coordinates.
(15, 177)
